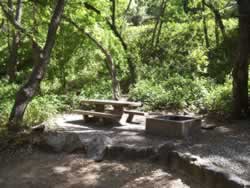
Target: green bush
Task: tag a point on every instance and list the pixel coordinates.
(176, 92)
(7, 90)
(182, 93)
(220, 98)
(5, 109)
(41, 108)
(149, 92)
(7, 94)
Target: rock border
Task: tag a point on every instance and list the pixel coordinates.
(207, 176)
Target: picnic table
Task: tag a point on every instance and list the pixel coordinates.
(101, 111)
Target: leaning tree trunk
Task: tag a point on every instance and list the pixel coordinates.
(29, 90)
(113, 73)
(113, 27)
(108, 59)
(240, 69)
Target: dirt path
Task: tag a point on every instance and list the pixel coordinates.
(43, 170)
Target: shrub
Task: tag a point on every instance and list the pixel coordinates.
(41, 108)
(150, 93)
(220, 98)
(5, 109)
(176, 92)
(7, 93)
(7, 90)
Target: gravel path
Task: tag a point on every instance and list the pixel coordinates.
(226, 147)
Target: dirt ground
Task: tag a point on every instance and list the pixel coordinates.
(47, 170)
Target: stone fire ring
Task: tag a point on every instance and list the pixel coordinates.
(173, 126)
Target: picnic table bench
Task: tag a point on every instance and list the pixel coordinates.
(101, 112)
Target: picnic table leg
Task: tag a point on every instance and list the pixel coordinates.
(98, 108)
(130, 118)
(86, 118)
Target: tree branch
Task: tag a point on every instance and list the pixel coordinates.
(82, 30)
(19, 11)
(10, 16)
(90, 7)
(128, 7)
(187, 9)
(53, 26)
(217, 16)
(109, 60)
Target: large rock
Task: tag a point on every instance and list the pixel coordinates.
(61, 142)
(97, 146)
(130, 152)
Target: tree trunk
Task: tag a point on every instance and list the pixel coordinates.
(131, 65)
(113, 73)
(159, 34)
(155, 29)
(108, 59)
(218, 18)
(240, 69)
(13, 59)
(217, 34)
(220, 23)
(158, 24)
(29, 90)
(113, 27)
(205, 30)
(128, 7)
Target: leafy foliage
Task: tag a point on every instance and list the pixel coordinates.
(178, 71)
(220, 98)
(177, 92)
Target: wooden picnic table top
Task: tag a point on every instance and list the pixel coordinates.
(111, 102)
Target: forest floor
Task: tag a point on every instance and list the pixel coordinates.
(39, 170)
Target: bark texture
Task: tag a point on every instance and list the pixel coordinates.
(13, 58)
(240, 69)
(29, 90)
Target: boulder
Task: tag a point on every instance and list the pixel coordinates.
(96, 148)
(61, 142)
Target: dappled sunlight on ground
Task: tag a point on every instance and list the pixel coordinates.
(41, 170)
